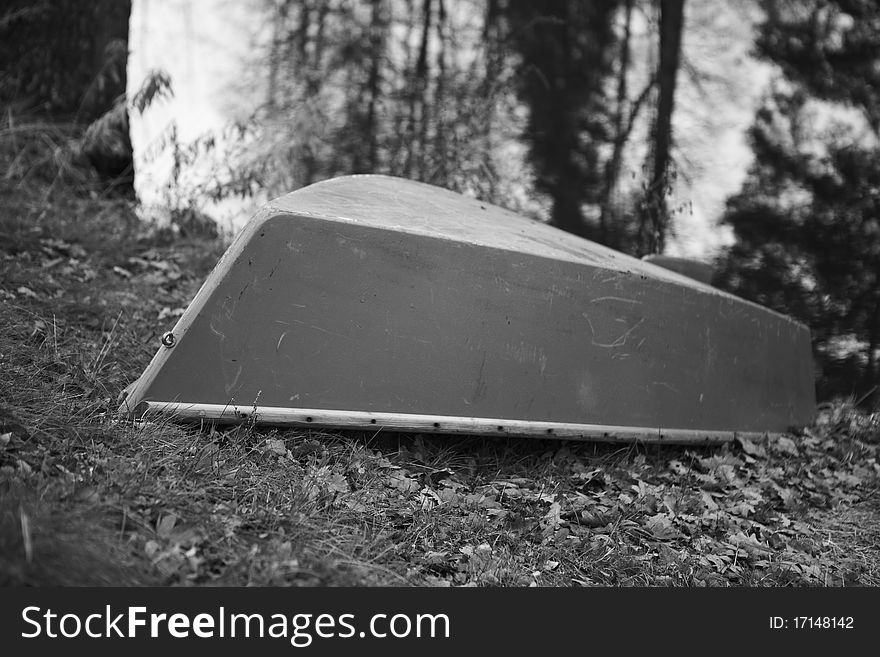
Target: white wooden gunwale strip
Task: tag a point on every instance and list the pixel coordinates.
(443, 424)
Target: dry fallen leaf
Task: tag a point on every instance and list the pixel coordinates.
(749, 543)
(752, 449)
(553, 517)
(399, 480)
(276, 446)
(661, 527)
(165, 525)
(336, 483)
(785, 445)
(433, 557)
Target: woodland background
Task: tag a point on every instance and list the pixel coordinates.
(562, 110)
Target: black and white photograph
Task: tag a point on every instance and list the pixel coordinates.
(409, 295)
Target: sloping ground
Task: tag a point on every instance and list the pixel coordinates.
(85, 293)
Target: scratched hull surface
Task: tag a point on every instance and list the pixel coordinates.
(370, 301)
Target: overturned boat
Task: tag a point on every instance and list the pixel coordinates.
(372, 302)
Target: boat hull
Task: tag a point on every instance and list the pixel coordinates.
(320, 314)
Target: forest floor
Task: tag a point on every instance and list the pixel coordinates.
(86, 291)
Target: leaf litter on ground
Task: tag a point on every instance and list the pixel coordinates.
(111, 502)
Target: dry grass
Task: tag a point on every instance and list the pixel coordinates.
(86, 292)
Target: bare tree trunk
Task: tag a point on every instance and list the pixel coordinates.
(418, 86)
(377, 40)
(318, 44)
(566, 212)
(279, 25)
(671, 25)
(310, 54)
(612, 166)
(495, 46)
(492, 36)
(565, 48)
(440, 172)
